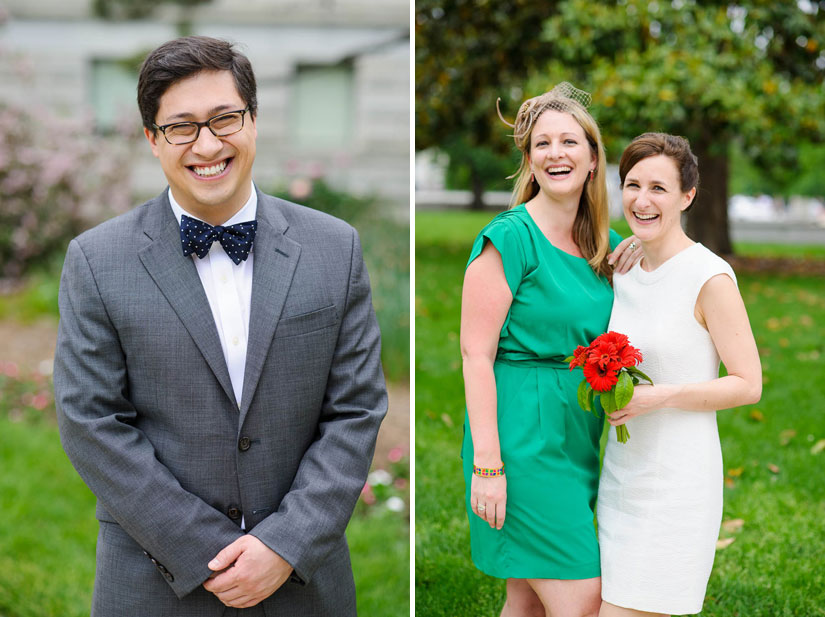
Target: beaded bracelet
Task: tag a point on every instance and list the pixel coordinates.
(488, 473)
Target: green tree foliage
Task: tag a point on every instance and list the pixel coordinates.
(479, 167)
(714, 72)
(468, 53)
(807, 180)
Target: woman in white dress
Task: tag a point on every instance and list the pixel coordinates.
(660, 495)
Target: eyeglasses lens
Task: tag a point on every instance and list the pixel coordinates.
(222, 125)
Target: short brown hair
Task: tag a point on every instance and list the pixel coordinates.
(671, 146)
(185, 57)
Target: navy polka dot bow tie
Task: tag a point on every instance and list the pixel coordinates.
(197, 237)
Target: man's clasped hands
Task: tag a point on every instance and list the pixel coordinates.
(246, 572)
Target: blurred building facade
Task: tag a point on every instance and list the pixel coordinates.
(333, 81)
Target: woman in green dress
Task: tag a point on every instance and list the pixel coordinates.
(537, 285)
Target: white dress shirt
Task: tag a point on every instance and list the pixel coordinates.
(228, 289)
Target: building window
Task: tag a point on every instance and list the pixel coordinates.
(322, 113)
(113, 92)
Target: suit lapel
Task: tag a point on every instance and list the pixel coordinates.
(276, 257)
(178, 280)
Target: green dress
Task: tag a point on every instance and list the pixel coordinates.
(549, 445)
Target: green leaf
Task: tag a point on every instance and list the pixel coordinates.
(624, 390)
(585, 396)
(608, 401)
(634, 371)
(568, 359)
(591, 401)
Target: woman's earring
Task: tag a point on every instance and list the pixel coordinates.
(532, 177)
(592, 173)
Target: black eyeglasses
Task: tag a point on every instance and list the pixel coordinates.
(222, 125)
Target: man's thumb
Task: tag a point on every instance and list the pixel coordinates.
(226, 557)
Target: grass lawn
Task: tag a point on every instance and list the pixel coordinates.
(774, 452)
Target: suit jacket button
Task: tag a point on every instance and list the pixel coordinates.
(168, 576)
(244, 443)
(234, 513)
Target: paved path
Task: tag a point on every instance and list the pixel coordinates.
(777, 233)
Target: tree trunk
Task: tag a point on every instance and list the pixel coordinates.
(707, 220)
(477, 186)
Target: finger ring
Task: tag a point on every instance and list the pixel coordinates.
(482, 508)
(632, 246)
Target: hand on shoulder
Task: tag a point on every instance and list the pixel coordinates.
(626, 255)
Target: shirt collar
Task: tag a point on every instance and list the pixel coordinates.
(247, 213)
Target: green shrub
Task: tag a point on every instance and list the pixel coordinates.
(386, 244)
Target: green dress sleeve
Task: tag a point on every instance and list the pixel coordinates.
(615, 238)
(504, 236)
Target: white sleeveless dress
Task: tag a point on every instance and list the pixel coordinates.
(660, 494)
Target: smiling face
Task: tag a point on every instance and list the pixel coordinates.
(560, 156)
(652, 198)
(210, 177)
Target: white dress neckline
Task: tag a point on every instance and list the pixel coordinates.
(646, 277)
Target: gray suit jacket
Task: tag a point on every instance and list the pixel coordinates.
(148, 418)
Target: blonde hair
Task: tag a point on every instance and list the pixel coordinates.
(591, 229)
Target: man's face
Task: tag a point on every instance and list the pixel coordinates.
(215, 194)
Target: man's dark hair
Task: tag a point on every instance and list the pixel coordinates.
(185, 57)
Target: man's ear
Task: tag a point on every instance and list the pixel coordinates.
(152, 137)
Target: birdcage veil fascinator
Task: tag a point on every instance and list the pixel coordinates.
(564, 97)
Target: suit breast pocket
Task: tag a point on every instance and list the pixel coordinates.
(295, 325)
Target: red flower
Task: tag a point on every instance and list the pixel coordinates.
(604, 358)
(617, 338)
(579, 356)
(630, 356)
(618, 347)
(604, 353)
(601, 378)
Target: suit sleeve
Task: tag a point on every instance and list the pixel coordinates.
(313, 515)
(176, 529)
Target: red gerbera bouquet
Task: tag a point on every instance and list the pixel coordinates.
(610, 373)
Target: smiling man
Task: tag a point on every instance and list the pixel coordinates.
(217, 372)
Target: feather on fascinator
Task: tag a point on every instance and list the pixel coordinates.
(563, 97)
